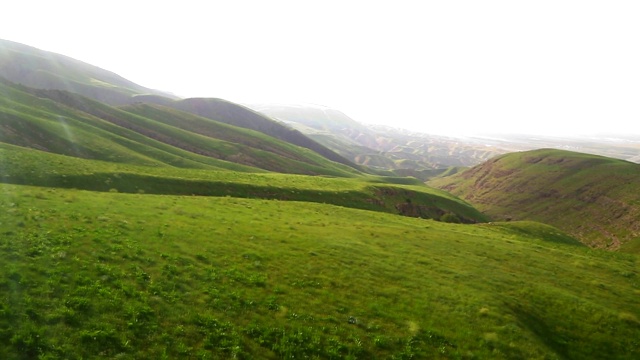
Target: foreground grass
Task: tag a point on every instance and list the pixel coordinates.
(86, 274)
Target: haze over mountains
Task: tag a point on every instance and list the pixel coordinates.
(134, 224)
(216, 133)
(208, 134)
(387, 147)
(379, 147)
(32, 67)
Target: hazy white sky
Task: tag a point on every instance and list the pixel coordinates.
(434, 66)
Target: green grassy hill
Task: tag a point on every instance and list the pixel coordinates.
(241, 116)
(32, 167)
(85, 274)
(154, 231)
(40, 69)
(245, 137)
(46, 70)
(66, 123)
(160, 150)
(594, 198)
(29, 121)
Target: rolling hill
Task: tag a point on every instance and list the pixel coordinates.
(32, 167)
(41, 69)
(241, 116)
(594, 198)
(152, 230)
(67, 123)
(161, 150)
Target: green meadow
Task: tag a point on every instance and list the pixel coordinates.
(110, 275)
(31, 167)
(199, 229)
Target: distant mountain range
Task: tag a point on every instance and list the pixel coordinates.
(424, 155)
(378, 147)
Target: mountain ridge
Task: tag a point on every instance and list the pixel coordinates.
(241, 116)
(45, 70)
(37, 68)
(146, 144)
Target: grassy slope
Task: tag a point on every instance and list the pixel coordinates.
(245, 137)
(73, 125)
(147, 145)
(298, 160)
(146, 276)
(596, 199)
(45, 70)
(31, 167)
(241, 116)
(42, 69)
(26, 120)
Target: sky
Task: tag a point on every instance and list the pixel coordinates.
(443, 67)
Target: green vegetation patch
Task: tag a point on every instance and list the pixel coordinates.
(86, 274)
(31, 167)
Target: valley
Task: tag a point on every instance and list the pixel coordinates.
(423, 155)
(135, 224)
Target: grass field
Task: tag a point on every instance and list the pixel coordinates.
(32, 167)
(89, 274)
(143, 232)
(42, 69)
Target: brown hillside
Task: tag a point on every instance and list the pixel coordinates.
(594, 198)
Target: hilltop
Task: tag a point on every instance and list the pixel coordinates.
(41, 69)
(594, 198)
